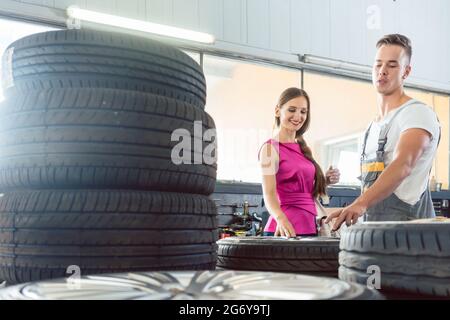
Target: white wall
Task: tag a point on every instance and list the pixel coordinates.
(339, 29)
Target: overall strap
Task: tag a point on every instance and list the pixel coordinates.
(366, 136)
(382, 139)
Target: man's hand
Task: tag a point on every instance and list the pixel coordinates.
(349, 214)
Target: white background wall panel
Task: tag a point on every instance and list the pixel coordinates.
(331, 28)
(320, 28)
(47, 3)
(385, 10)
(234, 29)
(135, 9)
(159, 11)
(106, 6)
(211, 17)
(280, 25)
(415, 25)
(185, 14)
(444, 62)
(301, 26)
(63, 4)
(356, 23)
(339, 26)
(258, 23)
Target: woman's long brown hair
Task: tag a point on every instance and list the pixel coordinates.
(319, 179)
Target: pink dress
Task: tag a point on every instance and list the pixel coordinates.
(295, 186)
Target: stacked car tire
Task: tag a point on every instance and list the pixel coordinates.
(87, 149)
(404, 259)
(317, 256)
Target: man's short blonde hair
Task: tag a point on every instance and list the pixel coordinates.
(398, 40)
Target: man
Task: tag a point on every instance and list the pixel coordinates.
(399, 146)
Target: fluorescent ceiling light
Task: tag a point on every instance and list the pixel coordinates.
(76, 13)
(336, 64)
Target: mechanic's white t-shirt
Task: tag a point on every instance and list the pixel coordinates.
(415, 115)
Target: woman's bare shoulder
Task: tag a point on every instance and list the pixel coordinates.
(268, 152)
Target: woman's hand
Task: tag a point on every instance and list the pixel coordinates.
(284, 228)
(332, 175)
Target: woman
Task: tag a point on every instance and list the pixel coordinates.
(291, 177)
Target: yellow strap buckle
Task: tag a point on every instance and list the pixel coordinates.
(372, 167)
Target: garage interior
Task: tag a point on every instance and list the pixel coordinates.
(89, 121)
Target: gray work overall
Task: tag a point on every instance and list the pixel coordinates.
(391, 208)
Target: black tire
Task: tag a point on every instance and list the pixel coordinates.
(399, 238)
(314, 256)
(400, 286)
(409, 265)
(101, 138)
(53, 270)
(44, 232)
(218, 285)
(95, 59)
(413, 257)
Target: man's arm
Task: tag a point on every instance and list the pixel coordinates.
(411, 146)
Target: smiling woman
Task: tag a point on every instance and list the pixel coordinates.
(292, 179)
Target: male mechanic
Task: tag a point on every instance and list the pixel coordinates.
(398, 147)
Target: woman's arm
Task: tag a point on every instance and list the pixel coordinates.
(269, 165)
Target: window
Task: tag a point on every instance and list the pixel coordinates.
(341, 110)
(16, 30)
(345, 155)
(241, 99)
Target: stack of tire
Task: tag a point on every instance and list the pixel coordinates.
(86, 170)
(317, 256)
(405, 260)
